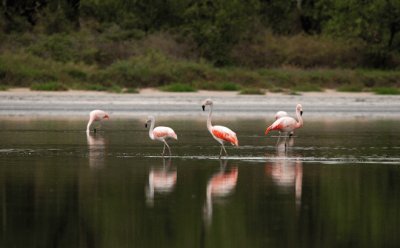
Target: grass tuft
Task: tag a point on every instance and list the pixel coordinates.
(252, 91)
(178, 87)
(351, 88)
(3, 88)
(307, 87)
(50, 86)
(386, 91)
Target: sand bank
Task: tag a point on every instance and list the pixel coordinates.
(26, 103)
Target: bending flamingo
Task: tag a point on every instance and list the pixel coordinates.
(160, 133)
(220, 133)
(287, 123)
(96, 115)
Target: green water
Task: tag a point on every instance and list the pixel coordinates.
(336, 185)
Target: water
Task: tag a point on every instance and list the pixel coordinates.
(336, 185)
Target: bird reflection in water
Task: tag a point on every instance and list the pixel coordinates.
(286, 170)
(161, 180)
(221, 185)
(96, 145)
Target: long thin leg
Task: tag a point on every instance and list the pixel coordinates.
(163, 151)
(224, 149)
(169, 149)
(277, 142)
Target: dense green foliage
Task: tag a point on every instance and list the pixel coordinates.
(204, 43)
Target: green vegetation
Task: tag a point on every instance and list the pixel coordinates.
(178, 87)
(252, 91)
(307, 87)
(50, 86)
(386, 91)
(3, 88)
(110, 45)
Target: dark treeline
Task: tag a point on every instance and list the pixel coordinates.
(217, 26)
(103, 44)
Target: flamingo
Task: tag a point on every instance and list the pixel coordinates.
(160, 133)
(287, 123)
(96, 115)
(220, 133)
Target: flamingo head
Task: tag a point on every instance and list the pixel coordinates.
(106, 116)
(299, 108)
(149, 120)
(208, 101)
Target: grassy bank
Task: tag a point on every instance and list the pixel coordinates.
(156, 70)
(108, 62)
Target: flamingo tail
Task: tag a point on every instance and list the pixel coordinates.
(267, 130)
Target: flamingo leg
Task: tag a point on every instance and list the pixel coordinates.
(169, 149)
(163, 151)
(277, 142)
(223, 147)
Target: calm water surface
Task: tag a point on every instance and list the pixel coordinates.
(336, 185)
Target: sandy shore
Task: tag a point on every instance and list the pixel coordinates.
(26, 103)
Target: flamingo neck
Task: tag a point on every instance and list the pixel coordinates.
(89, 124)
(209, 125)
(299, 119)
(151, 129)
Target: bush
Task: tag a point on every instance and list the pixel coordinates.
(178, 87)
(252, 91)
(307, 88)
(50, 86)
(351, 88)
(386, 91)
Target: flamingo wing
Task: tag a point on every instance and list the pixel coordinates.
(164, 132)
(225, 134)
(284, 124)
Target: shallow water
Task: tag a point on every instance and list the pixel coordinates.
(336, 185)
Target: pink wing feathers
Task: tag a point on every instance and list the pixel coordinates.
(164, 132)
(225, 134)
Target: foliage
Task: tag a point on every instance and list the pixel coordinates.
(252, 91)
(386, 91)
(178, 87)
(50, 86)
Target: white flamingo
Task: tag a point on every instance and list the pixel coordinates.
(96, 115)
(220, 133)
(287, 124)
(160, 133)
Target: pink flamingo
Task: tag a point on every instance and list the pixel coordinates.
(287, 123)
(96, 115)
(160, 133)
(220, 133)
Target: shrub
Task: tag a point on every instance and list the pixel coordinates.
(50, 86)
(252, 91)
(351, 88)
(386, 91)
(178, 87)
(307, 88)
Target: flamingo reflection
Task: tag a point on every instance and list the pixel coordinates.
(96, 145)
(221, 184)
(161, 181)
(286, 171)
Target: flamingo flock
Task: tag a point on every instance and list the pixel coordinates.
(283, 123)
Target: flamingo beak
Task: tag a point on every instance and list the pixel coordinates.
(204, 107)
(301, 112)
(106, 117)
(145, 125)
